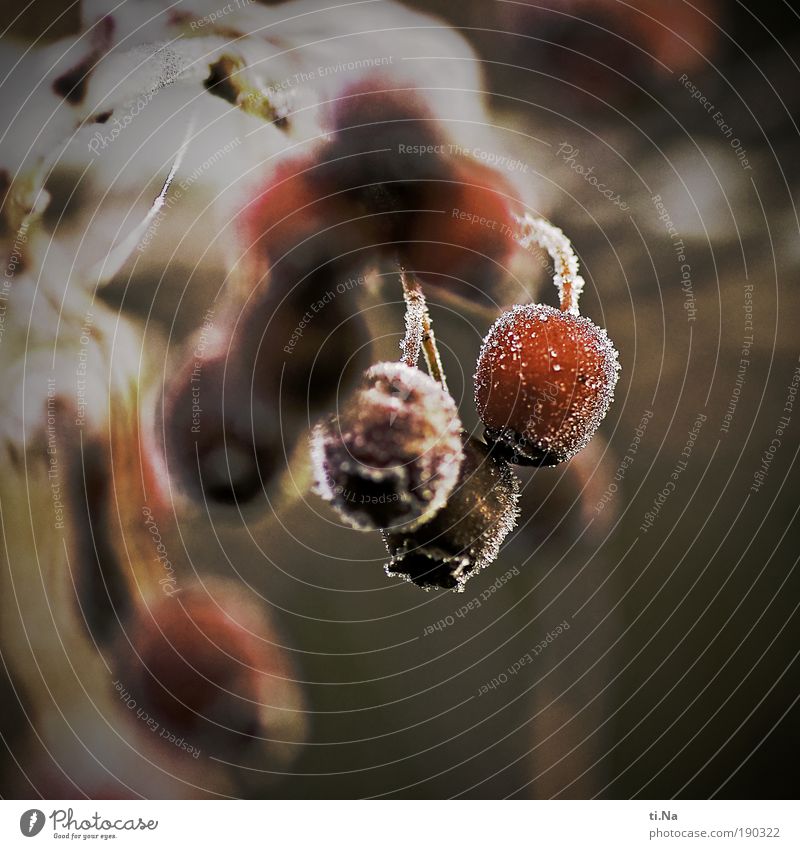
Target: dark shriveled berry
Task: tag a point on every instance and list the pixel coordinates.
(544, 381)
(465, 535)
(393, 457)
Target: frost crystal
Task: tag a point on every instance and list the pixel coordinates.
(416, 313)
(566, 278)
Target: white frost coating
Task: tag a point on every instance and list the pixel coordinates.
(566, 278)
(400, 433)
(411, 343)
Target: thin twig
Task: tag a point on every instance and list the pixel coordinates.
(411, 344)
(419, 330)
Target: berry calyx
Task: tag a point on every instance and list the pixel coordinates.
(544, 381)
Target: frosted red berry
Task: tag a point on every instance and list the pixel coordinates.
(544, 381)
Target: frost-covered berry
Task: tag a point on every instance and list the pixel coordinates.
(393, 457)
(544, 381)
(465, 536)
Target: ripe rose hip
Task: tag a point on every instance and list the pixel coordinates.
(544, 381)
(301, 218)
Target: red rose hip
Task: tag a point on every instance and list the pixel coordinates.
(544, 381)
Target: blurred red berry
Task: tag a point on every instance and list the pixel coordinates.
(205, 666)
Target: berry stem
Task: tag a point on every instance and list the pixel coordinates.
(419, 330)
(569, 283)
(411, 344)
